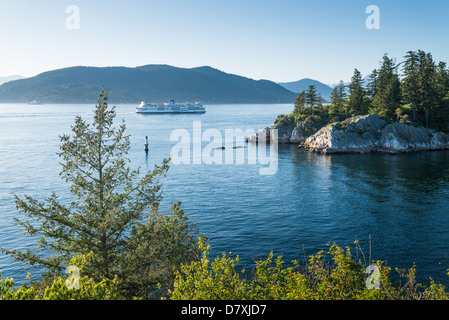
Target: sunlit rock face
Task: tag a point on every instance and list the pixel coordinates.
(370, 133)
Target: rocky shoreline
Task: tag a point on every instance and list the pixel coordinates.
(360, 134)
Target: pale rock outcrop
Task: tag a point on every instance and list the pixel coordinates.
(288, 131)
(370, 133)
(301, 132)
(260, 136)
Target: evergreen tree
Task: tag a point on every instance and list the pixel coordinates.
(111, 204)
(388, 92)
(155, 250)
(440, 114)
(409, 84)
(300, 103)
(357, 94)
(311, 96)
(338, 99)
(371, 85)
(427, 89)
(424, 87)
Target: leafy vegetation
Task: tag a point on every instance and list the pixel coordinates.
(328, 275)
(334, 274)
(87, 289)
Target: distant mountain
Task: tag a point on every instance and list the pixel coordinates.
(10, 78)
(157, 83)
(303, 84)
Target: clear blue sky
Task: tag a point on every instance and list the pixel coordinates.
(279, 40)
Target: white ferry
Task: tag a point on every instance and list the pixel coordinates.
(171, 107)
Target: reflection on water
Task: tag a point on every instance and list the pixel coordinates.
(400, 200)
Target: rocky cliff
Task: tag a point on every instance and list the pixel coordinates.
(289, 130)
(358, 134)
(372, 134)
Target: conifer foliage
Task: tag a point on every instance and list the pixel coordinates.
(113, 213)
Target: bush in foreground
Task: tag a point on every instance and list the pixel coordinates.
(63, 288)
(331, 275)
(328, 275)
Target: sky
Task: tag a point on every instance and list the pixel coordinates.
(277, 40)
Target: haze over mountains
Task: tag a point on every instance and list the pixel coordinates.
(10, 78)
(156, 83)
(303, 84)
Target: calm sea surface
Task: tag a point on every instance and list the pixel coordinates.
(402, 202)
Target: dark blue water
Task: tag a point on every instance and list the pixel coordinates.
(401, 201)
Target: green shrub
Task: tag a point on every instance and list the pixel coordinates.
(59, 289)
(328, 275)
(331, 275)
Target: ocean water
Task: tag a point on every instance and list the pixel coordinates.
(400, 202)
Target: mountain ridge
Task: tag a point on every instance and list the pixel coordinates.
(157, 83)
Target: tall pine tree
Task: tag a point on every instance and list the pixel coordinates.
(338, 99)
(300, 103)
(371, 88)
(427, 90)
(111, 205)
(387, 97)
(311, 97)
(440, 114)
(409, 83)
(357, 94)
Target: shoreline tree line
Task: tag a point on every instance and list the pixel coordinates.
(414, 91)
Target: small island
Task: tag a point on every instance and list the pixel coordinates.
(393, 113)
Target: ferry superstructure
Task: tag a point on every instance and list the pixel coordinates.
(171, 107)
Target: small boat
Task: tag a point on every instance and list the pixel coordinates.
(171, 107)
(35, 102)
